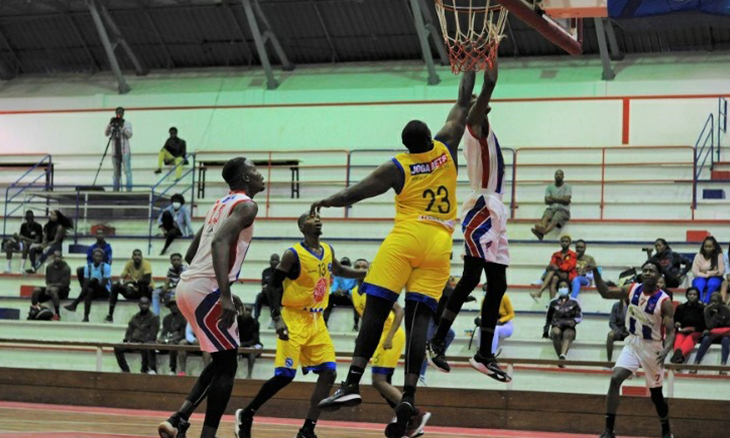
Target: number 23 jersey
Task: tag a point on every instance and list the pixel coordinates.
(429, 188)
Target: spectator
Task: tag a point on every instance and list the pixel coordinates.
(182, 357)
(262, 297)
(167, 291)
(142, 329)
(175, 221)
(670, 261)
(557, 214)
(173, 331)
(248, 331)
(120, 131)
(562, 267)
(31, 233)
(58, 281)
(583, 268)
(617, 322)
(97, 283)
(689, 320)
(717, 323)
(724, 287)
(562, 316)
(134, 283)
(341, 295)
(100, 243)
(172, 153)
(708, 268)
(504, 328)
(661, 283)
(53, 234)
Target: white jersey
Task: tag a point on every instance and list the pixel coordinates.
(644, 315)
(202, 264)
(484, 163)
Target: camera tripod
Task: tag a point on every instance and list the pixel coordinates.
(115, 133)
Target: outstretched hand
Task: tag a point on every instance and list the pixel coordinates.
(491, 71)
(317, 206)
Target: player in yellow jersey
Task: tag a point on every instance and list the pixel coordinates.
(387, 355)
(416, 253)
(298, 295)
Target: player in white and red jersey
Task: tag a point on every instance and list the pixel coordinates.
(484, 223)
(650, 321)
(204, 295)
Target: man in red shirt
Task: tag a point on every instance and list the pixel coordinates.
(561, 267)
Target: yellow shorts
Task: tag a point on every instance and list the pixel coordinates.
(309, 344)
(386, 361)
(414, 256)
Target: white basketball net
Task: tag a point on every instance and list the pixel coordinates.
(472, 30)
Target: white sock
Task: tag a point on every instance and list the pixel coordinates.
(10, 265)
(22, 265)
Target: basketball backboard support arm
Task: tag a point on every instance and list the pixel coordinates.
(425, 29)
(608, 73)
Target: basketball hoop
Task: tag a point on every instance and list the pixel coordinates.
(472, 30)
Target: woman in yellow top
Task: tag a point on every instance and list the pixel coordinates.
(504, 328)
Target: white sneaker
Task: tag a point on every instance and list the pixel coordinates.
(153, 372)
(538, 282)
(172, 373)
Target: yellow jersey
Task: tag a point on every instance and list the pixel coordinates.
(359, 300)
(429, 188)
(311, 289)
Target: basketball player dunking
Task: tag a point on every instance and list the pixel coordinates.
(204, 295)
(650, 320)
(484, 223)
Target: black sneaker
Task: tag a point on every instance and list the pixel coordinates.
(173, 427)
(243, 425)
(345, 396)
(488, 365)
(608, 434)
(437, 355)
(417, 423)
(398, 426)
(305, 434)
(677, 357)
(109, 319)
(70, 308)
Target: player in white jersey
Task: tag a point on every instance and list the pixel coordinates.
(204, 295)
(650, 321)
(484, 223)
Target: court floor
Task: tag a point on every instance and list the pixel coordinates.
(60, 421)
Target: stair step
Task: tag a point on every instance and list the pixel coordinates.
(720, 174)
(713, 194)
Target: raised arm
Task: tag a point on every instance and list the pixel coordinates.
(388, 175)
(478, 112)
(193, 248)
(453, 129)
(609, 293)
(346, 271)
(276, 290)
(242, 216)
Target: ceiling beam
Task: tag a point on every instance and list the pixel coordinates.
(122, 85)
(326, 31)
(170, 61)
(232, 15)
(119, 39)
(18, 64)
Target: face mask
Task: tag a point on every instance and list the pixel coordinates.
(563, 291)
(176, 205)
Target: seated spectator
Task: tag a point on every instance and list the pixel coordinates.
(708, 268)
(248, 332)
(689, 320)
(97, 283)
(142, 329)
(717, 322)
(167, 291)
(617, 322)
(53, 234)
(58, 282)
(583, 268)
(671, 262)
(661, 283)
(172, 153)
(726, 280)
(134, 283)
(504, 328)
(100, 243)
(262, 297)
(173, 331)
(182, 357)
(175, 221)
(557, 214)
(562, 267)
(341, 295)
(563, 315)
(31, 233)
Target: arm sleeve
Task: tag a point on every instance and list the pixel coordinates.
(720, 265)
(510, 311)
(568, 264)
(696, 266)
(578, 314)
(614, 317)
(188, 222)
(108, 130)
(89, 254)
(66, 277)
(686, 262)
(127, 130)
(548, 318)
(125, 271)
(709, 323)
(159, 218)
(109, 253)
(154, 329)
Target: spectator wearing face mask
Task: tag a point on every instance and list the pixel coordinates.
(563, 315)
(175, 221)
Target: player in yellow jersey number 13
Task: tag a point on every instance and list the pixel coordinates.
(416, 254)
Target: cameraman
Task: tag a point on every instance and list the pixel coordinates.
(120, 131)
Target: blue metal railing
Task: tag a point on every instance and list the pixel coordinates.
(45, 161)
(156, 196)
